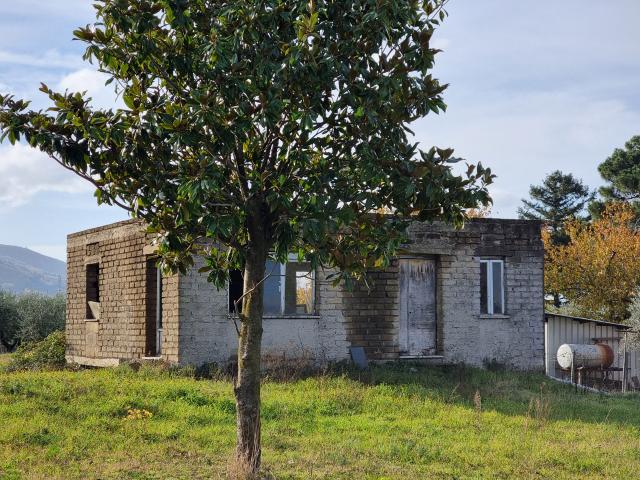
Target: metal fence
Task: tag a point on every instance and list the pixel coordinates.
(621, 376)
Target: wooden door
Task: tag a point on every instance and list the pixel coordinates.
(417, 306)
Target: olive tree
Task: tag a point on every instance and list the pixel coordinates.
(257, 129)
(9, 321)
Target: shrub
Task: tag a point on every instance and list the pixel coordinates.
(634, 322)
(9, 320)
(47, 354)
(40, 315)
(29, 317)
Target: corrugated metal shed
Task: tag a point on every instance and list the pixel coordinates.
(561, 329)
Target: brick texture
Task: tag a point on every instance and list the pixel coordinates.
(120, 332)
(198, 328)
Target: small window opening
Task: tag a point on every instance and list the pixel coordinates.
(236, 286)
(492, 287)
(93, 291)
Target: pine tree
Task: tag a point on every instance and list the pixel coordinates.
(622, 172)
(561, 197)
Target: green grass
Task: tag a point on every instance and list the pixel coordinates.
(404, 422)
(4, 359)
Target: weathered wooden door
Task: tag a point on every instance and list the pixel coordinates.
(417, 306)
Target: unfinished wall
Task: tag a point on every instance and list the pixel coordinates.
(371, 313)
(118, 250)
(207, 333)
(515, 339)
(197, 328)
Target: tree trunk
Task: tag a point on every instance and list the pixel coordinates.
(247, 386)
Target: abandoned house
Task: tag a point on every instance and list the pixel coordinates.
(473, 295)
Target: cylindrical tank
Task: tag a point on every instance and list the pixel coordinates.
(599, 355)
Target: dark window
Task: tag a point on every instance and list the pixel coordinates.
(92, 289)
(492, 287)
(483, 288)
(236, 286)
(288, 289)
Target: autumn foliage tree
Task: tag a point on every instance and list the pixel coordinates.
(258, 129)
(598, 271)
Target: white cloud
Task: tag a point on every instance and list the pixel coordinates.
(26, 172)
(93, 82)
(48, 59)
(525, 136)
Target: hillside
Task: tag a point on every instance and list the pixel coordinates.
(23, 270)
(393, 422)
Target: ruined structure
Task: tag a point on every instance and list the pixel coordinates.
(473, 295)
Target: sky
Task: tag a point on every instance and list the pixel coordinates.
(534, 86)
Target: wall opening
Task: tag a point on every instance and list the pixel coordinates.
(236, 287)
(92, 290)
(153, 300)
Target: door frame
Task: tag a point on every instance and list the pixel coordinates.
(403, 326)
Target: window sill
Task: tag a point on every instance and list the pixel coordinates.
(290, 316)
(91, 319)
(486, 316)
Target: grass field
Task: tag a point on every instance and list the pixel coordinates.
(404, 422)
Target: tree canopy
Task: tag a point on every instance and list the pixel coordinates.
(561, 197)
(298, 110)
(258, 129)
(598, 271)
(622, 172)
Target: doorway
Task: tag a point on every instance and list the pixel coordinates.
(418, 313)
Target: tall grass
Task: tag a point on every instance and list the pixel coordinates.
(390, 422)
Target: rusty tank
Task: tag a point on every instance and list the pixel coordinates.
(597, 355)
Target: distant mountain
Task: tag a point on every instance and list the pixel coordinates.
(23, 270)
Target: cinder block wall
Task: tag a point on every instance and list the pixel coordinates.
(120, 332)
(371, 312)
(197, 328)
(207, 332)
(515, 339)
(463, 335)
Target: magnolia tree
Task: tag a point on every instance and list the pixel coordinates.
(257, 129)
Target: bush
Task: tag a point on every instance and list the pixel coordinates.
(634, 322)
(29, 317)
(40, 315)
(47, 354)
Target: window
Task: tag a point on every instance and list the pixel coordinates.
(492, 287)
(288, 289)
(92, 291)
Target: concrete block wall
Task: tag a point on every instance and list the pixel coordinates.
(515, 339)
(120, 332)
(207, 332)
(198, 329)
(371, 310)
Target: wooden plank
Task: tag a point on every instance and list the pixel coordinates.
(418, 306)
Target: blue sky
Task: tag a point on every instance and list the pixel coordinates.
(534, 86)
